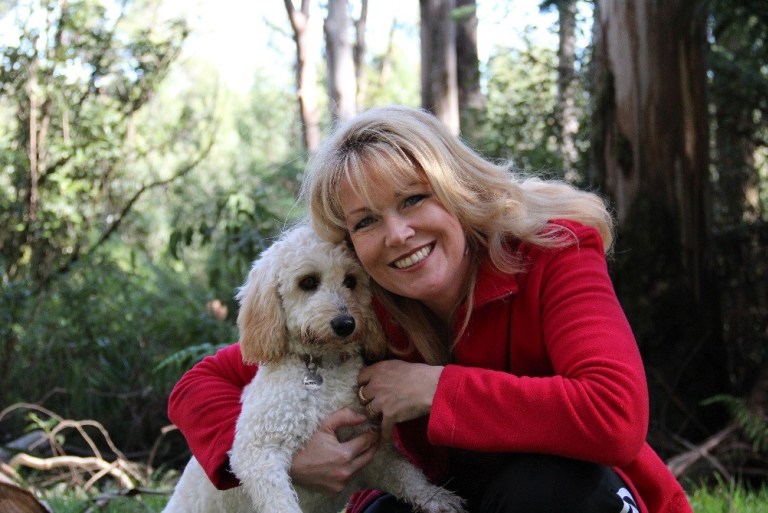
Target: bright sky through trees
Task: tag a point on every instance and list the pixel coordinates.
(237, 37)
(240, 36)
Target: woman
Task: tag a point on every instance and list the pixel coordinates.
(515, 378)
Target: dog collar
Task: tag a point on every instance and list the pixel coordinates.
(327, 360)
(313, 380)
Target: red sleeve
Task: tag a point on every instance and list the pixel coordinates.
(592, 404)
(205, 404)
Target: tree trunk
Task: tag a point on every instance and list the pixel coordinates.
(386, 59)
(439, 86)
(306, 75)
(651, 157)
(471, 100)
(653, 101)
(566, 93)
(360, 50)
(342, 87)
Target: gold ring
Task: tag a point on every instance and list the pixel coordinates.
(372, 414)
(363, 400)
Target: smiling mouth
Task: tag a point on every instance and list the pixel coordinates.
(415, 258)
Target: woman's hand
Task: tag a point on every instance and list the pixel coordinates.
(327, 465)
(398, 390)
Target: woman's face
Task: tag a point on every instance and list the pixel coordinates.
(408, 242)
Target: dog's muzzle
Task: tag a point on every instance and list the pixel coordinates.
(343, 325)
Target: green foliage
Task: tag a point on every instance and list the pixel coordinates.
(520, 123)
(222, 225)
(113, 262)
(393, 77)
(69, 140)
(95, 343)
(81, 142)
(738, 90)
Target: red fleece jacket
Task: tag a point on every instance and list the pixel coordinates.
(547, 364)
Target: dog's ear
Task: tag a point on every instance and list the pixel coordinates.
(261, 320)
(374, 340)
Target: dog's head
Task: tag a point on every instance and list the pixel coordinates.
(307, 295)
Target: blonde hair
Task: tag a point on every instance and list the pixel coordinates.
(493, 204)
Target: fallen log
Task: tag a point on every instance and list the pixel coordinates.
(14, 499)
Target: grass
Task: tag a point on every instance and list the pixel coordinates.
(67, 501)
(730, 497)
(726, 497)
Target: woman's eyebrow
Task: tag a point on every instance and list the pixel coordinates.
(358, 210)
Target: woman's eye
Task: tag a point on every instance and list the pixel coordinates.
(362, 223)
(414, 200)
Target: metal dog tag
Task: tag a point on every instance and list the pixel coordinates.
(312, 379)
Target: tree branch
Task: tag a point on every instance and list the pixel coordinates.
(128, 207)
(102, 467)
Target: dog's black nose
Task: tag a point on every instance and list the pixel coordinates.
(343, 325)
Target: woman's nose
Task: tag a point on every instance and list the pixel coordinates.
(398, 230)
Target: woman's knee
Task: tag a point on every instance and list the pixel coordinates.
(552, 484)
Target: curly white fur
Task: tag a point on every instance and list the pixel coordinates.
(304, 297)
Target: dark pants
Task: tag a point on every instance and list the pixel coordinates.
(531, 483)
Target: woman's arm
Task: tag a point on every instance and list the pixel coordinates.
(591, 402)
(205, 405)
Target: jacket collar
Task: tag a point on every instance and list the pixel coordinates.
(492, 284)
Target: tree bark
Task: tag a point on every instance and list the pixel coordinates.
(342, 87)
(439, 83)
(306, 75)
(361, 47)
(471, 100)
(653, 135)
(566, 94)
(651, 144)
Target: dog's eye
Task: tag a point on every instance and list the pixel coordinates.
(350, 282)
(309, 283)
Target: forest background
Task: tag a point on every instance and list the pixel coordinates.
(137, 185)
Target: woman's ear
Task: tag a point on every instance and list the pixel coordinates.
(261, 320)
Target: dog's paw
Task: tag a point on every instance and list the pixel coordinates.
(443, 501)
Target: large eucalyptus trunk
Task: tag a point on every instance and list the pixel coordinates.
(651, 148)
(652, 135)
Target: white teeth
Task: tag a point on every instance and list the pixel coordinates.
(413, 259)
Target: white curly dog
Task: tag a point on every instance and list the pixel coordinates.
(306, 319)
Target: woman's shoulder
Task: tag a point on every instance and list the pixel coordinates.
(577, 229)
(568, 242)
(564, 234)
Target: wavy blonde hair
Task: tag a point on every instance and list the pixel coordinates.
(493, 204)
